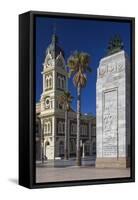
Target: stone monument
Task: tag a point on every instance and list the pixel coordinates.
(113, 108)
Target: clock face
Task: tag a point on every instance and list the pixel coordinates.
(47, 102)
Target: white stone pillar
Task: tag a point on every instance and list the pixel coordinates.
(111, 111)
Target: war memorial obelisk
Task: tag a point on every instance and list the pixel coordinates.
(113, 108)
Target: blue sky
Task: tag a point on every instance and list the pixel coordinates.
(90, 36)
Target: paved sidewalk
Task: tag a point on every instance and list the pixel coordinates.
(51, 174)
(87, 161)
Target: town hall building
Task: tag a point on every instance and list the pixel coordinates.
(50, 114)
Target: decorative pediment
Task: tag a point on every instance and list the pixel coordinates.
(60, 62)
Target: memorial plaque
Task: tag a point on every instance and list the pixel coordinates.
(110, 123)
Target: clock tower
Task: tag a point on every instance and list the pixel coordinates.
(54, 84)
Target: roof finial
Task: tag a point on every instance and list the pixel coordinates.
(54, 37)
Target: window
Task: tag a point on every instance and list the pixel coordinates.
(75, 128)
(60, 106)
(50, 82)
(48, 127)
(45, 128)
(59, 127)
(58, 81)
(85, 130)
(72, 128)
(72, 146)
(62, 83)
(61, 148)
(47, 85)
(63, 127)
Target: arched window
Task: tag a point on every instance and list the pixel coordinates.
(48, 127)
(63, 127)
(50, 82)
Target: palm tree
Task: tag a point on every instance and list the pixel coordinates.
(78, 64)
(66, 99)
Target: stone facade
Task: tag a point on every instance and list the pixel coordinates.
(50, 114)
(113, 111)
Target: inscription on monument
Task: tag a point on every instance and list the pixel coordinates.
(110, 123)
(110, 68)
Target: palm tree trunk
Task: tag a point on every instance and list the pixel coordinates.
(66, 136)
(78, 161)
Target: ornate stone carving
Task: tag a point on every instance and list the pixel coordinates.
(107, 118)
(110, 123)
(120, 66)
(110, 68)
(102, 71)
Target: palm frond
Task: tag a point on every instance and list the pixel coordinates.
(66, 99)
(78, 64)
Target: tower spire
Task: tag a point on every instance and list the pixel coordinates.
(54, 36)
